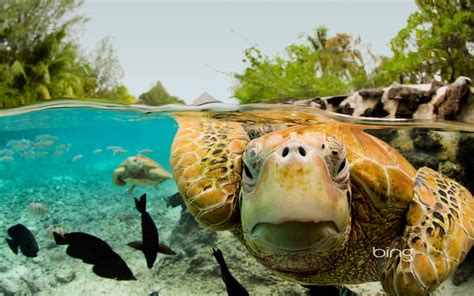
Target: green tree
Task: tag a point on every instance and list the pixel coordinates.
(327, 66)
(158, 95)
(106, 70)
(434, 44)
(39, 59)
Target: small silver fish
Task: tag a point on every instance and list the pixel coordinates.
(61, 146)
(38, 209)
(58, 152)
(42, 153)
(120, 151)
(19, 145)
(145, 151)
(97, 151)
(114, 148)
(58, 229)
(28, 154)
(6, 158)
(43, 144)
(6, 152)
(46, 138)
(77, 158)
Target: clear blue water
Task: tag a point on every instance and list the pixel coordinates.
(79, 195)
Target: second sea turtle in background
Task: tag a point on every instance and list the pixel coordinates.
(140, 170)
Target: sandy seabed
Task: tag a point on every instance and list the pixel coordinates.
(101, 209)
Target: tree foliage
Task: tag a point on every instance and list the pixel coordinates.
(434, 43)
(106, 70)
(39, 59)
(325, 66)
(158, 95)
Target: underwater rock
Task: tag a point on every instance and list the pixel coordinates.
(465, 270)
(38, 209)
(465, 157)
(18, 282)
(9, 288)
(420, 159)
(181, 238)
(384, 134)
(64, 276)
(425, 140)
(452, 170)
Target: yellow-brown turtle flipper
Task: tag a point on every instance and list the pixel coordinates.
(438, 235)
(206, 157)
(117, 176)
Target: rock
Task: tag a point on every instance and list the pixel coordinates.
(425, 140)
(420, 101)
(10, 288)
(384, 134)
(64, 276)
(371, 93)
(465, 156)
(188, 236)
(465, 270)
(456, 96)
(451, 169)
(409, 98)
(420, 159)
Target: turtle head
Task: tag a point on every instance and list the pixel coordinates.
(295, 198)
(134, 164)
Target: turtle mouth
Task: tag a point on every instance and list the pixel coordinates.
(294, 236)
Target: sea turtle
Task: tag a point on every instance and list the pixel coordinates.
(140, 170)
(324, 203)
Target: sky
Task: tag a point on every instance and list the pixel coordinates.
(194, 46)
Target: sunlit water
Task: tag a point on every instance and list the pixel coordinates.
(70, 174)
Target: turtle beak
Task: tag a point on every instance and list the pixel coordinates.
(295, 206)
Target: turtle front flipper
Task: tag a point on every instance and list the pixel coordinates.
(206, 157)
(438, 235)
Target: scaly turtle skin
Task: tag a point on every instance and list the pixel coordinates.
(140, 170)
(324, 203)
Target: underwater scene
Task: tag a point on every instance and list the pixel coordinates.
(110, 187)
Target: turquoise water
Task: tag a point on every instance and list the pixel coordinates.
(77, 194)
(87, 130)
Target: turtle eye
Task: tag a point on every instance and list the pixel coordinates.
(247, 171)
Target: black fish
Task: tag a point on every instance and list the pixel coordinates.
(23, 238)
(150, 244)
(176, 200)
(93, 250)
(234, 288)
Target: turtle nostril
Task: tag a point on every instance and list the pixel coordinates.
(302, 151)
(285, 152)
